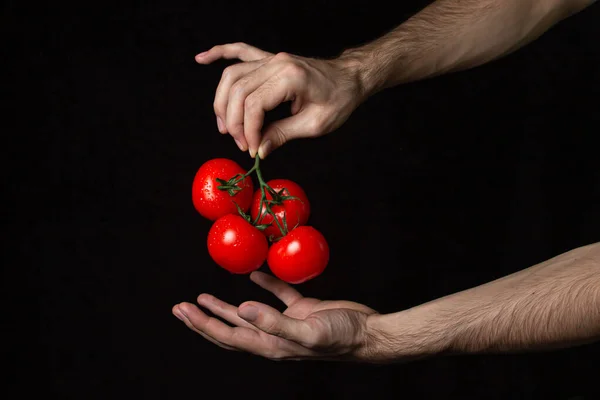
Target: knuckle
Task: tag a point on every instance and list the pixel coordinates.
(235, 128)
(239, 88)
(282, 56)
(280, 134)
(218, 107)
(273, 328)
(227, 72)
(236, 131)
(251, 103)
(296, 72)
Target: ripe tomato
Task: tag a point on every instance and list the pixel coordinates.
(296, 212)
(236, 245)
(300, 255)
(212, 202)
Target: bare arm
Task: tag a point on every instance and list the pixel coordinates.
(446, 36)
(452, 35)
(550, 305)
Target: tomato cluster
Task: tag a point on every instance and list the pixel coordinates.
(251, 227)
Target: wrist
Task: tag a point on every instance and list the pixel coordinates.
(361, 67)
(407, 335)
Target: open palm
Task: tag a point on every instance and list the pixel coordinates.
(308, 328)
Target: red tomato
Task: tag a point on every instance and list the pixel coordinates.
(296, 211)
(300, 255)
(211, 202)
(236, 245)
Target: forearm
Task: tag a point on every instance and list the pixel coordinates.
(451, 35)
(550, 305)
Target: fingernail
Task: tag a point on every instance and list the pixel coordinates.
(264, 149)
(240, 145)
(249, 313)
(220, 125)
(202, 54)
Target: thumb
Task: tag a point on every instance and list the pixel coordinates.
(273, 322)
(280, 132)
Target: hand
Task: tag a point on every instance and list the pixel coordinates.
(323, 94)
(308, 329)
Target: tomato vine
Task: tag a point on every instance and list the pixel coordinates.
(277, 198)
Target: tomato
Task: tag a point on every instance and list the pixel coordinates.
(296, 212)
(236, 245)
(300, 255)
(212, 202)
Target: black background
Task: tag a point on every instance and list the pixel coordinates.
(428, 189)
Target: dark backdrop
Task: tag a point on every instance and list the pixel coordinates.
(428, 189)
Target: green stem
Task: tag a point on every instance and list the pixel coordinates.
(263, 198)
(231, 186)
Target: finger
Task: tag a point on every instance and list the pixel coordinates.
(273, 322)
(230, 75)
(177, 312)
(277, 134)
(241, 51)
(272, 93)
(223, 310)
(240, 338)
(240, 93)
(284, 292)
(214, 328)
(305, 124)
